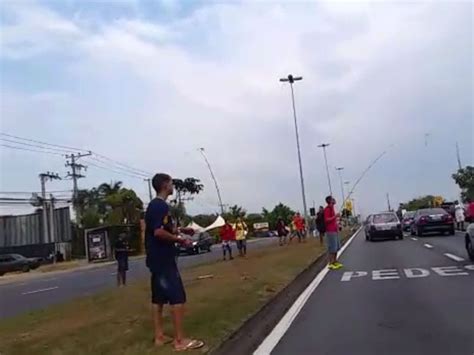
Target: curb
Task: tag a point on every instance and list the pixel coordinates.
(251, 333)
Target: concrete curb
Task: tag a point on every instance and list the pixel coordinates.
(249, 336)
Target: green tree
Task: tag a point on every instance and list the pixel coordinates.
(421, 202)
(465, 179)
(279, 211)
(189, 186)
(234, 213)
(123, 206)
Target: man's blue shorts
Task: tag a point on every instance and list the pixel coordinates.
(333, 242)
(167, 287)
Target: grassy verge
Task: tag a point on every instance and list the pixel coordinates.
(66, 265)
(118, 320)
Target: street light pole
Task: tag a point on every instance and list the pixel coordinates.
(324, 146)
(339, 171)
(221, 205)
(291, 79)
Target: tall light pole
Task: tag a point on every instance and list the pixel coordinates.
(339, 171)
(324, 146)
(291, 79)
(201, 150)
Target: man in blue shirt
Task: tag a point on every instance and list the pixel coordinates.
(161, 237)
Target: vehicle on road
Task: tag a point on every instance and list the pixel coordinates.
(383, 225)
(200, 242)
(470, 241)
(17, 262)
(431, 220)
(407, 220)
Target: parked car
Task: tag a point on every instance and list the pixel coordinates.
(383, 225)
(432, 220)
(199, 242)
(17, 262)
(470, 241)
(407, 220)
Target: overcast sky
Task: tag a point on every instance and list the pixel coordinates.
(148, 82)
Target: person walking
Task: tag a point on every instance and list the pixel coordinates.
(241, 236)
(299, 224)
(227, 235)
(320, 225)
(332, 233)
(282, 231)
(161, 237)
(459, 215)
(121, 249)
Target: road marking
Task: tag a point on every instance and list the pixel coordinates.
(413, 238)
(40, 290)
(113, 273)
(429, 246)
(454, 257)
(284, 324)
(49, 279)
(409, 273)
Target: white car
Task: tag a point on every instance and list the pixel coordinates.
(470, 241)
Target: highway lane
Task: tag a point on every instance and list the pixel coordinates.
(392, 297)
(45, 290)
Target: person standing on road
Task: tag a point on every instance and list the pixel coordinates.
(282, 231)
(241, 236)
(299, 223)
(459, 215)
(166, 284)
(121, 249)
(227, 235)
(332, 233)
(320, 225)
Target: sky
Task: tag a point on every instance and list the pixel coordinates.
(147, 83)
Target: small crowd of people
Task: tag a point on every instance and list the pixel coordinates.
(162, 236)
(237, 233)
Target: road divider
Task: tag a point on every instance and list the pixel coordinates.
(408, 273)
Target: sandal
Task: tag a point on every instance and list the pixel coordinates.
(189, 344)
(165, 339)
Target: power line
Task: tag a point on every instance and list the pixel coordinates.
(34, 145)
(30, 150)
(67, 149)
(118, 167)
(40, 142)
(114, 171)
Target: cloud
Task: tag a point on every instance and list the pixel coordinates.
(151, 92)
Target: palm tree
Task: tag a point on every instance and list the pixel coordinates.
(110, 189)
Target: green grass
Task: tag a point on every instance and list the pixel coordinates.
(118, 321)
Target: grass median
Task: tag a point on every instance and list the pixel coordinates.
(119, 320)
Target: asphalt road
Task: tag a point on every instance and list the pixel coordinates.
(45, 290)
(414, 296)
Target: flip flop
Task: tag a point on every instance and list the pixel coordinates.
(192, 344)
(163, 341)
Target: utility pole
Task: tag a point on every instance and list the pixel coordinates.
(291, 79)
(76, 168)
(339, 171)
(324, 146)
(150, 195)
(458, 155)
(388, 202)
(47, 237)
(221, 206)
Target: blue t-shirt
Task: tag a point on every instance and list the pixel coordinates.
(160, 254)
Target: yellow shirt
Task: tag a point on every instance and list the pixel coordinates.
(240, 231)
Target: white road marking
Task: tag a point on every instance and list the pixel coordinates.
(469, 267)
(49, 279)
(284, 324)
(40, 290)
(416, 272)
(454, 257)
(429, 246)
(449, 271)
(387, 274)
(113, 273)
(413, 238)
